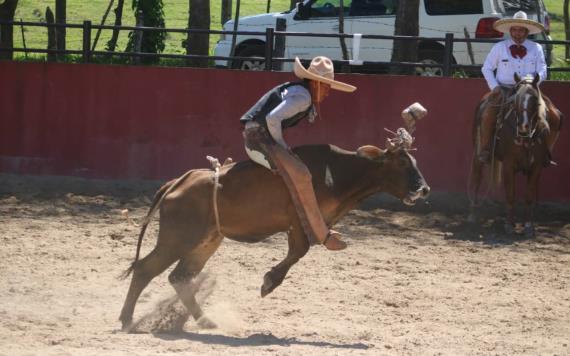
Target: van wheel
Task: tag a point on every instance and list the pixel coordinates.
(250, 64)
(429, 57)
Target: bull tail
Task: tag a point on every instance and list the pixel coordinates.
(156, 202)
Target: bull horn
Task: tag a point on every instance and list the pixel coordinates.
(401, 140)
(370, 152)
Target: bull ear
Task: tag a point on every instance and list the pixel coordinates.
(370, 152)
(517, 78)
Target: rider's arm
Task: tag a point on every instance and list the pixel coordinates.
(541, 63)
(490, 65)
(294, 102)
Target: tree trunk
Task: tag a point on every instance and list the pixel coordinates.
(345, 67)
(112, 44)
(226, 14)
(198, 43)
(102, 23)
(52, 37)
(60, 18)
(407, 24)
(567, 26)
(7, 10)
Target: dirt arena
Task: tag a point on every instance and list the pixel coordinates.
(414, 281)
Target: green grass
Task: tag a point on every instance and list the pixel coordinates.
(556, 12)
(176, 16)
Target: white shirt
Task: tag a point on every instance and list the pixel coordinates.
(296, 99)
(500, 58)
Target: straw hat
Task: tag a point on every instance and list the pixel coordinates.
(521, 20)
(321, 70)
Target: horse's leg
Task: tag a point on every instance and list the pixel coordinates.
(187, 269)
(143, 272)
(509, 178)
(531, 197)
(475, 178)
(298, 247)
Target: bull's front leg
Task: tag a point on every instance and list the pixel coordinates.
(509, 178)
(531, 197)
(298, 247)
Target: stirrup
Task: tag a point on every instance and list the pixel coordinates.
(484, 156)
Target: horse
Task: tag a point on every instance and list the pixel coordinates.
(519, 145)
(248, 203)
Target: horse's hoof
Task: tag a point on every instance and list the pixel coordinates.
(206, 323)
(267, 286)
(509, 228)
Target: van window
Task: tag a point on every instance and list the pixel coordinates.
(372, 7)
(328, 8)
(516, 5)
(453, 7)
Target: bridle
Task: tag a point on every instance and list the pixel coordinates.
(519, 114)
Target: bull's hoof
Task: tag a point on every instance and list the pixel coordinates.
(126, 324)
(268, 285)
(471, 218)
(509, 228)
(529, 231)
(206, 323)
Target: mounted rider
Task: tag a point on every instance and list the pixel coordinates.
(521, 56)
(281, 108)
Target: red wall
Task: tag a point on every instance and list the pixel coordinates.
(149, 122)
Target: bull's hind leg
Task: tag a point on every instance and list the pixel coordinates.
(143, 272)
(185, 272)
(298, 247)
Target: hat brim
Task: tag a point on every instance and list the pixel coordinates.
(504, 25)
(303, 73)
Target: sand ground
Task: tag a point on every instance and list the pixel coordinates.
(414, 281)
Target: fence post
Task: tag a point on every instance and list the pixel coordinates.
(138, 37)
(448, 52)
(86, 41)
(269, 35)
(52, 35)
(279, 49)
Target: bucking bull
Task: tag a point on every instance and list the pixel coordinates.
(250, 203)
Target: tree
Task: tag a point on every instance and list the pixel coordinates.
(7, 11)
(198, 43)
(112, 43)
(153, 16)
(407, 24)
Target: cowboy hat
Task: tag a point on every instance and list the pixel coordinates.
(321, 70)
(519, 19)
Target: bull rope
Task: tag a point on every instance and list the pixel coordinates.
(216, 167)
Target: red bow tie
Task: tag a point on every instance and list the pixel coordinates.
(518, 51)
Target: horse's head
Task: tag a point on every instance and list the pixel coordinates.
(527, 105)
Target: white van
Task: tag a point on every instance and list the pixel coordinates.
(376, 17)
